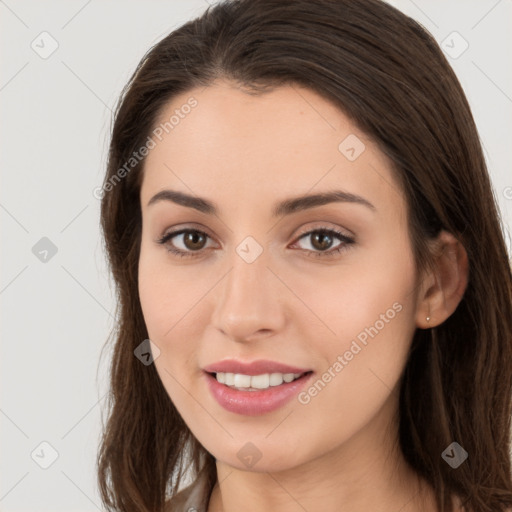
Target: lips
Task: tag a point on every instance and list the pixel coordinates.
(258, 367)
(254, 402)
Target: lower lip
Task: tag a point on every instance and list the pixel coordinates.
(253, 403)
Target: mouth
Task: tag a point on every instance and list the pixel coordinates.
(253, 395)
(243, 382)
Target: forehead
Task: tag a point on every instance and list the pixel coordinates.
(284, 142)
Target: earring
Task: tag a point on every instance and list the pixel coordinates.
(428, 319)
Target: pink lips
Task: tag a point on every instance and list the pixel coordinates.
(252, 403)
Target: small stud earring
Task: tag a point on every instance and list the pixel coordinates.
(428, 319)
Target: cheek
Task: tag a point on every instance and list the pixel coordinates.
(364, 362)
(369, 313)
(346, 302)
(171, 305)
(168, 295)
(164, 308)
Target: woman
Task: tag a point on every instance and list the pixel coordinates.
(314, 288)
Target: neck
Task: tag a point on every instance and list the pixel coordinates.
(367, 472)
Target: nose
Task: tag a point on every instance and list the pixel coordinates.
(249, 301)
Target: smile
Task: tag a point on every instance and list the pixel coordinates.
(244, 396)
(255, 382)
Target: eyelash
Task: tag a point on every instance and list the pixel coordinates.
(347, 241)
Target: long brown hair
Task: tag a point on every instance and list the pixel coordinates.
(389, 76)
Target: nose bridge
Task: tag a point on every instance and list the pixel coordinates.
(247, 301)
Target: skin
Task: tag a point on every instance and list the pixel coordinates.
(245, 153)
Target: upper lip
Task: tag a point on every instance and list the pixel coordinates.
(259, 367)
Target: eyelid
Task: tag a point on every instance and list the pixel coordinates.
(344, 238)
(191, 226)
(304, 231)
(346, 242)
(325, 226)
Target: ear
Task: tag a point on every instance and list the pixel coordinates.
(443, 287)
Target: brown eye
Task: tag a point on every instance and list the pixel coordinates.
(191, 242)
(321, 240)
(194, 240)
(184, 242)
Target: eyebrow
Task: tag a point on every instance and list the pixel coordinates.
(286, 207)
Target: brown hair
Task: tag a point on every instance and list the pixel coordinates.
(389, 76)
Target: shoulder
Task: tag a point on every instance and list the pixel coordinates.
(193, 498)
(457, 504)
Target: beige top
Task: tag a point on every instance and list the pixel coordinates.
(193, 498)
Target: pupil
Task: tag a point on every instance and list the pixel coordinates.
(323, 237)
(193, 237)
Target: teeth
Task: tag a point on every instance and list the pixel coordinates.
(255, 382)
(242, 381)
(260, 381)
(276, 379)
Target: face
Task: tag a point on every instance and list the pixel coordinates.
(323, 287)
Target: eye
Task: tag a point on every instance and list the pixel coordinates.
(191, 241)
(322, 240)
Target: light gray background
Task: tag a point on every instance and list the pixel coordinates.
(55, 122)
